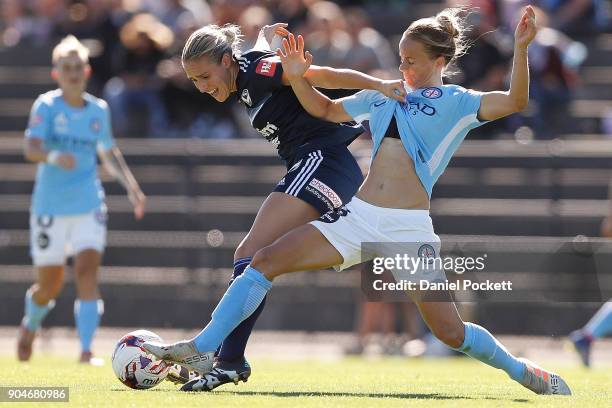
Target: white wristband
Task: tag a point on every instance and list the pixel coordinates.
(53, 156)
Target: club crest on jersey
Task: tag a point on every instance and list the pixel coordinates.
(60, 122)
(266, 67)
(432, 93)
(246, 98)
(95, 125)
(428, 252)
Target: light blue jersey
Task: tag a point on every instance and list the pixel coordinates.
(79, 131)
(432, 123)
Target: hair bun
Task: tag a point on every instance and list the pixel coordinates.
(448, 25)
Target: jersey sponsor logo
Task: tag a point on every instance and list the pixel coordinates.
(432, 93)
(333, 216)
(377, 104)
(326, 191)
(95, 125)
(268, 131)
(246, 97)
(415, 107)
(266, 67)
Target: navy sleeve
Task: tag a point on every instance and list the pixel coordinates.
(266, 72)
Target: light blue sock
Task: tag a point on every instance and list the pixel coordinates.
(481, 345)
(35, 313)
(87, 317)
(241, 299)
(600, 324)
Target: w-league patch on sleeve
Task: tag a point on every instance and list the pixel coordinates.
(266, 67)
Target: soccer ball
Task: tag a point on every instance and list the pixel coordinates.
(134, 366)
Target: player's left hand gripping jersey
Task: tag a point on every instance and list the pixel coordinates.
(79, 131)
(432, 123)
(276, 113)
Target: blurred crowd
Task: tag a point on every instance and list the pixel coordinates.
(135, 47)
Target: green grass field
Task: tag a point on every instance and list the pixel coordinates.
(391, 382)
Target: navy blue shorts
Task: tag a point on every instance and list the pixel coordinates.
(326, 178)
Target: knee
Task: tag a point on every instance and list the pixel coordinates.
(451, 335)
(261, 260)
(85, 273)
(48, 291)
(245, 249)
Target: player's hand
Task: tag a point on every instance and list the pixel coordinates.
(295, 62)
(139, 201)
(526, 28)
(66, 161)
(269, 31)
(606, 227)
(393, 89)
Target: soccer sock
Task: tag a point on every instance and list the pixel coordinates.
(600, 324)
(232, 348)
(35, 313)
(240, 300)
(87, 317)
(481, 345)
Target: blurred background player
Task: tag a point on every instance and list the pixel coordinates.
(68, 216)
(599, 326)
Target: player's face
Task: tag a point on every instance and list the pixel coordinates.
(210, 77)
(417, 66)
(71, 73)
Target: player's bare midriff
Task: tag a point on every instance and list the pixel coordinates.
(392, 181)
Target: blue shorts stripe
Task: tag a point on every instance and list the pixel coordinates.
(302, 170)
(310, 167)
(319, 160)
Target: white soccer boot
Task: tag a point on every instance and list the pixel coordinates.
(543, 382)
(183, 353)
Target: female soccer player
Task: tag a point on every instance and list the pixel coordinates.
(600, 325)
(413, 143)
(68, 216)
(321, 176)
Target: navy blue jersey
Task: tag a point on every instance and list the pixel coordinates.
(277, 114)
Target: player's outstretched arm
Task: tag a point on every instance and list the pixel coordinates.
(495, 105)
(115, 164)
(334, 78)
(295, 66)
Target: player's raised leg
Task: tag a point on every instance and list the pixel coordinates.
(39, 300)
(304, 248)
(279, 214)
(445, 323)
(88, 307)
(599, 326)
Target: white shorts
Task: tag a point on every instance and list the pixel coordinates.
(360, 222)
(54, 238)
